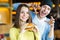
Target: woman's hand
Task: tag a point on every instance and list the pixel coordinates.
(31, 27)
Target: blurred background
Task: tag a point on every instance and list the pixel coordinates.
(8, 12)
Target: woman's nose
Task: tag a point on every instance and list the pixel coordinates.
(24, 14)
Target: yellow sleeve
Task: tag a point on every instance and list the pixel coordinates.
(27, 35)
(14, 34)
(37, 34)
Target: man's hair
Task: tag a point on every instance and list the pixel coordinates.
(47, 2)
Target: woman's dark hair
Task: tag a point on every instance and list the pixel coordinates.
(17, 17)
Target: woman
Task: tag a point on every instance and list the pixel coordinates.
(23, 28)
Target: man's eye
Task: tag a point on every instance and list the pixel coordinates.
(27, 12)
(48, 8)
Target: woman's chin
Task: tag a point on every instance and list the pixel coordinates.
(24, 20)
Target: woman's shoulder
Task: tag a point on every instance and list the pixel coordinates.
(14, 29)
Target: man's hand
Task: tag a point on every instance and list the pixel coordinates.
(52, 21)
(36, 7)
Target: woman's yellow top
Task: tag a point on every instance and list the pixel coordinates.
(15, 34)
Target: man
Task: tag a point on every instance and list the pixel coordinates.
(45, 25)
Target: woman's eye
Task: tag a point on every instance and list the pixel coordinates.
(22, 12)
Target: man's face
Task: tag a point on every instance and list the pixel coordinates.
(45, 10)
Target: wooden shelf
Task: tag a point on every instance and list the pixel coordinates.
(4, 1)
(14, 12)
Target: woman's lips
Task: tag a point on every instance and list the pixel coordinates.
(24, 17)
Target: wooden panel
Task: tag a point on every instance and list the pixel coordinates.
(5, 28)
(5, 15)
(57, 33)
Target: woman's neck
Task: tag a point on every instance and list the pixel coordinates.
(22, 23)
